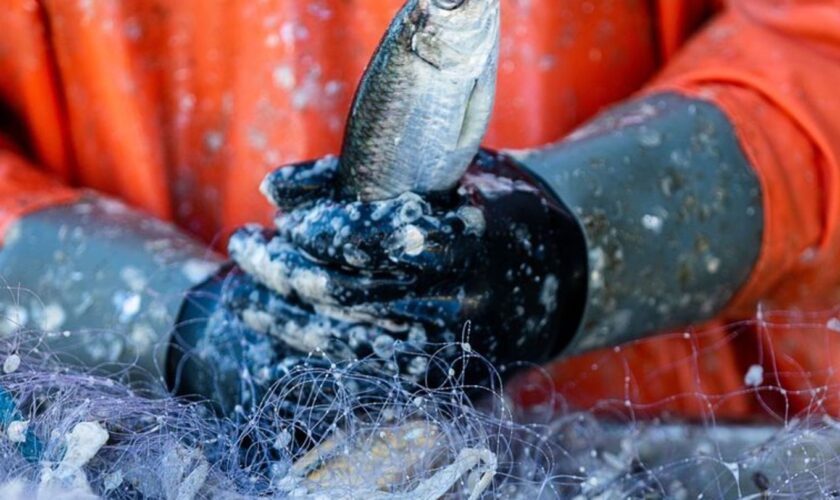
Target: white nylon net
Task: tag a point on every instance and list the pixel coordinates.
(770, 434)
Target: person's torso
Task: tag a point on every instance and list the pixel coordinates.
(182, 107)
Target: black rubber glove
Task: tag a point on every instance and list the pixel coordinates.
(495, 268)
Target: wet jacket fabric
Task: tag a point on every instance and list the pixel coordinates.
(180, 108)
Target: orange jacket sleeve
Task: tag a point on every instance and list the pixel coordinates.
(30, 92)
(774, 69)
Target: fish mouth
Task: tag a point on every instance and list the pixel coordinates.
(468, 34)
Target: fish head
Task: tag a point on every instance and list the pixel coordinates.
(460, 35)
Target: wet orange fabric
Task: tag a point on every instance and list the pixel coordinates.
(698, 374)
(780, 366)
(181, 107)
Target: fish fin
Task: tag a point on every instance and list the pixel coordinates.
(478, 108)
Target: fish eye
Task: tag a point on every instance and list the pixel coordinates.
(448, 4)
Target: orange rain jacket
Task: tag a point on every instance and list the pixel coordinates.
(180, 107)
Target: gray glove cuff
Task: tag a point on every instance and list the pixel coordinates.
(99, 284)
(671, 209)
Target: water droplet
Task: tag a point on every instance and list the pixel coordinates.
(754, 376)
(355, 256)
(417, 335)
(649, 137)
(417, 366)
(712, 264)
(473, 219)
(409, 212)
(652, 223)
(11, 364)
(282, 440)
(16, 431)
(383, 346)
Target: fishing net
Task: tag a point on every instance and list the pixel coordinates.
(331, 430)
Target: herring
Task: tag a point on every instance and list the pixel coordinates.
(422, 107)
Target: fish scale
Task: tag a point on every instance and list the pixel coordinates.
(424, 102)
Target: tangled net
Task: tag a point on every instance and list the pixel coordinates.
(72, 434)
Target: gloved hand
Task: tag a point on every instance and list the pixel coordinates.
(672, 219)
(671, 211)
(496, 268)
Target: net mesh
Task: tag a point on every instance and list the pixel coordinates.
(741, 411)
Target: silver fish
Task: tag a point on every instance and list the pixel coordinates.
(422, 107)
